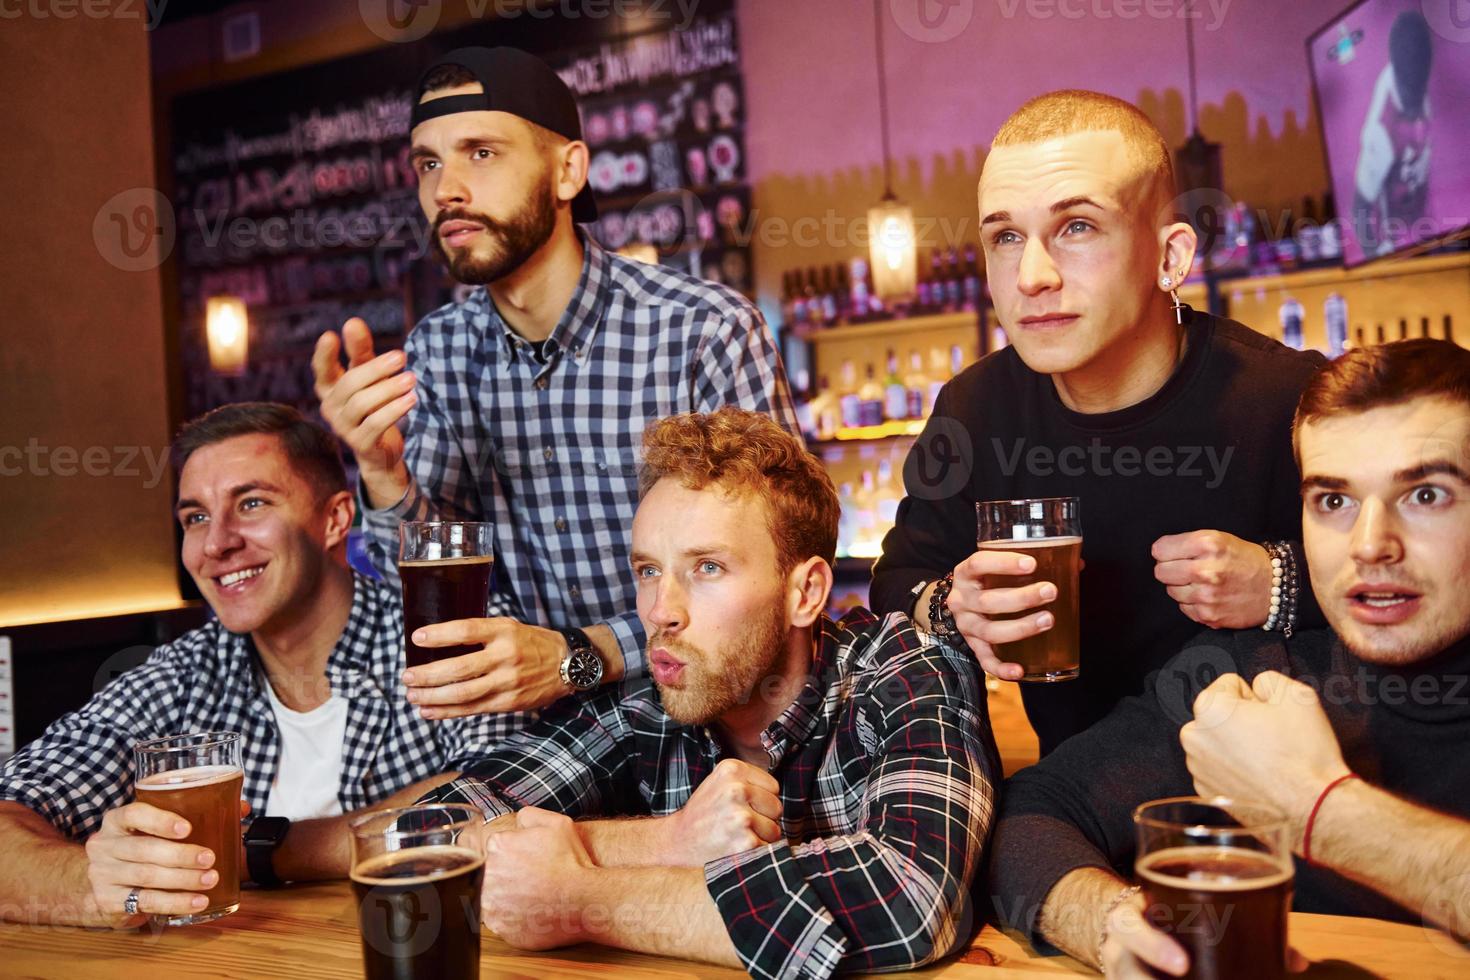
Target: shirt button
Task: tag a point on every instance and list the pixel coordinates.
(561, 523)
(541, 383)
(548, 453)
(574, 592)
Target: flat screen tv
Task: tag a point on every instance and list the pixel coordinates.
(1392, 82)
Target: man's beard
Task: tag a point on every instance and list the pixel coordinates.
(514, 241)
(715, 683)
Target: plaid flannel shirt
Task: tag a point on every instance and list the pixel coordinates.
(887, 769)
(549, 452)
(210, 680)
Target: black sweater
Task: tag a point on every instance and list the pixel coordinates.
(1210, 450)
(1404, 730)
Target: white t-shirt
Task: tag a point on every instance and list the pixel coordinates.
(310, 766)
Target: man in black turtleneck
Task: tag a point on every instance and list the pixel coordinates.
(1172, 427)
(1366, 725)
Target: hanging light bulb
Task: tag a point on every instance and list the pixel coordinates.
(228, 330)
(892, 249)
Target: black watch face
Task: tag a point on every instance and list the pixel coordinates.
(267, 830)
(584, 670)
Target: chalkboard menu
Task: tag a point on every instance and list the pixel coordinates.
(294, 191)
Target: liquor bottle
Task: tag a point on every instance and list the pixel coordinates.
(843, 295)
(888, 496)
(895, 392)
(1424, 326)
(1449, 330)
(788, 301)
(917, 385)
(956, 360)
(829, 298)
(847, 516)
(936, 281)
(849, 402)
(1403, 329)
(865, 505)
(1291, 323)
(954, 281)
(970, 298)
(1382, 337)
(1359, 340)
(826, 412)
(923, 293)
(938, 376)
(813, 299)
(805, 420)
(870, 400)
(860, 290)
(1334, 311)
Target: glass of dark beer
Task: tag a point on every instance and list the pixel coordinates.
(198, 777)
(445, 570)
(416, 875)
(1048, 529)
(1218, 877)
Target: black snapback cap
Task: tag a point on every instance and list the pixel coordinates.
(516, 82)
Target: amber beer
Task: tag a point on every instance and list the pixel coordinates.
(416, 874)
(199, 778)
(1217, 875)
(445, 570)
(440, 592)
(1052, 655)
(1228, 908)
(419, 912)
(1049, 529)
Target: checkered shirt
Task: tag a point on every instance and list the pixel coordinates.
(887, 769)
(210, 680)
(549, 452)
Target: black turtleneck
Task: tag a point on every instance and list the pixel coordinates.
(1405, 730)
(1210, 450)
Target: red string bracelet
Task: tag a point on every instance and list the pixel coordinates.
(1312, 818)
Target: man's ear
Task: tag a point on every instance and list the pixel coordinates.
(1177, 245)
(339, 510)
(573, 162)
(808, 586)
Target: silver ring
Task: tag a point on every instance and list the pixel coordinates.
(130, 907)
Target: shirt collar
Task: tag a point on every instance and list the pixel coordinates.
(352, 660)
(577, 328)
(794, 726)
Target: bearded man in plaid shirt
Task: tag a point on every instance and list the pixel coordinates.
(786, 794)
(303, 660)
(523, 405)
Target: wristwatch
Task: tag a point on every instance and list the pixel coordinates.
(581, 668)
(261, 840)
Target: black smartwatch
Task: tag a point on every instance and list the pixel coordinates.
(581, 668)
(261, 840)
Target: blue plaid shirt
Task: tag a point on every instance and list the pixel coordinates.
(549, 452)
(210, 680)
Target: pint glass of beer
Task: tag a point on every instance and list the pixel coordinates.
(198, 777)
(1048, 529)
(445, 570)
(1218, 877)
(416, 875)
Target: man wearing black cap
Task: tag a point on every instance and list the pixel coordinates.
(525, 403)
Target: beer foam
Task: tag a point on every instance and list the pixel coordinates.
(1206, 879)
(441, 562)
(1023, 544)
(195, 776)
(370, 871)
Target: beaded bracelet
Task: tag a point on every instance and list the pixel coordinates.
(1102, 937)
(1284, 587)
